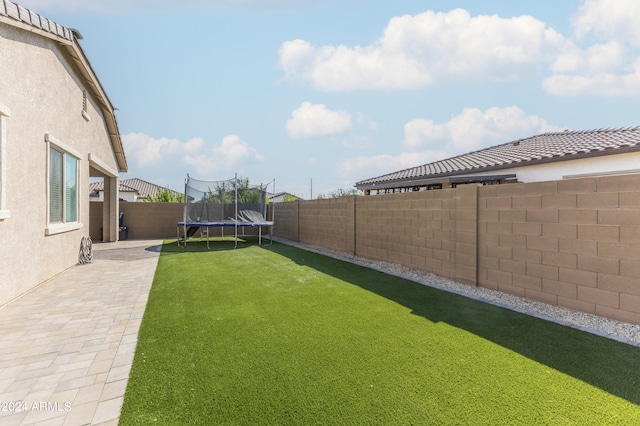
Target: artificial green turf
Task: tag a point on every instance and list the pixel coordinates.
(278, 335)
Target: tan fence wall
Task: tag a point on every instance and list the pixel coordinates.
(95, 221)
(143, 220)
(573, 243)
(434, 231)
(328, 223)
(151, 221)
(287, 223)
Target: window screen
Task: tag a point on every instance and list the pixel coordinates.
(56, 190)
(70, 189)
(63, 187)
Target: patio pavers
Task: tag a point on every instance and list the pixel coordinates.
(67, 346)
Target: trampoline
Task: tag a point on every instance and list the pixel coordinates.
(229, 204)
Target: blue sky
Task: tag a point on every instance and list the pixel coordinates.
(337, 91)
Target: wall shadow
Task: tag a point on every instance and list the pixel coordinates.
(607, 364)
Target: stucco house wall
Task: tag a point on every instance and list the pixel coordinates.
(42, 94)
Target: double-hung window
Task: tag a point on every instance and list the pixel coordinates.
(63, 187)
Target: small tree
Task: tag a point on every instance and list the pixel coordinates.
(222, 193)
(225, 192)
(166, 196)
(248, 194)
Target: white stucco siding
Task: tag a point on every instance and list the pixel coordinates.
(608, 164)
(41, 87)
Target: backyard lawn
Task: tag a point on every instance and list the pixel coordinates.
(273, 334)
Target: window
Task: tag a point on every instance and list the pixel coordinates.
(63, 185)
(4, 113)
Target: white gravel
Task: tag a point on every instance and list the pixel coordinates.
(616, 330)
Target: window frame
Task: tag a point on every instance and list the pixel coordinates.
(4, 114)
(66, 151)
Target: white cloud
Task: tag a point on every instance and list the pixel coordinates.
(230, 154)
(417, 50)
(310, 120)
(607, 69)
(149, 151)
(156, 153)
(600, 84)
(474, 129)
(426, 141)
(605, 57)
(610, 67)
(609, 19)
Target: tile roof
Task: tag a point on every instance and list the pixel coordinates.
(21, 14)
(96, 187)
(143, 188)
(544, 148)
(281, 194)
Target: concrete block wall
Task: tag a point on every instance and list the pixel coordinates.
(95, 220)
(415, 229)
(286, 225)
(143, 220)
(154, 220)
(466, 234)
(573, 243)
(328, 223)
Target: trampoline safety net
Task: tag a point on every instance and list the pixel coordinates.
(225, 203)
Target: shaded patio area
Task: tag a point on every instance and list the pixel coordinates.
(67, 346)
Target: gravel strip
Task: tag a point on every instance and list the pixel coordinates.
(612, 329)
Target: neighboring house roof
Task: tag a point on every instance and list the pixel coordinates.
(96, 187)
(143, 188)
(281, 194)
(544, 148)
(20, 17)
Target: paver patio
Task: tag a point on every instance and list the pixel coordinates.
(67, 346)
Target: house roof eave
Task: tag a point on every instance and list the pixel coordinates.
(18, 17)
(431, 180)
(377, 182)
(77, 54)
